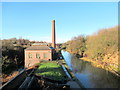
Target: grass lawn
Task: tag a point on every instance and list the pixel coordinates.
(51, 70)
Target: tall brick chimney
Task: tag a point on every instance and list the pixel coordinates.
(53, 34)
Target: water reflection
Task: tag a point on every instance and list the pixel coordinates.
(90, 76)
(67, 58)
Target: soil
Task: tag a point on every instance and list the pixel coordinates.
(6, 78)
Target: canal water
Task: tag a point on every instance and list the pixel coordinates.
(89, 75)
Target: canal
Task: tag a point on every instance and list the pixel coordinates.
(89, 75)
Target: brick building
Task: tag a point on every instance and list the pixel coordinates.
(40, 51)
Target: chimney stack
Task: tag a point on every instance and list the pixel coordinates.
(53, 34)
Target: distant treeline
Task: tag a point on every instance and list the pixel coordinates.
(13, 53)
(102, 45)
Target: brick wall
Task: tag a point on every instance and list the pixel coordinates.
(31, 58)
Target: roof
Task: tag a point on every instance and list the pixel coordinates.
(45, 44)
(51, 48)
(38, 48)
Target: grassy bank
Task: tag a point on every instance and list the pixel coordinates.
(66, 66)
(52, 70)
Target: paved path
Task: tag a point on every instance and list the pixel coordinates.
(73, 84)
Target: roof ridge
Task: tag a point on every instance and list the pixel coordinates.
(38, 48)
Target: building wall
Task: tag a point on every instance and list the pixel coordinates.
(32, 56)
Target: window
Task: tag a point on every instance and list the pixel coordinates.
(38, 55)
(29, 55)
(45, 55)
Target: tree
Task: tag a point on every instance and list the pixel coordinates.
(77, 45)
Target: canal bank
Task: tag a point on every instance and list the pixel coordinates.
(102, 65)
(89, 75)
(57, 72)
(45, 75)
(107, 63)
(73, 81)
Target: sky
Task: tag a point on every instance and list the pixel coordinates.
(33, 20)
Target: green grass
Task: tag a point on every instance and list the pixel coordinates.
(51, 70)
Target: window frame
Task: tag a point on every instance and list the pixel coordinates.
(29, 55)
(45, 55)
(38, 56)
